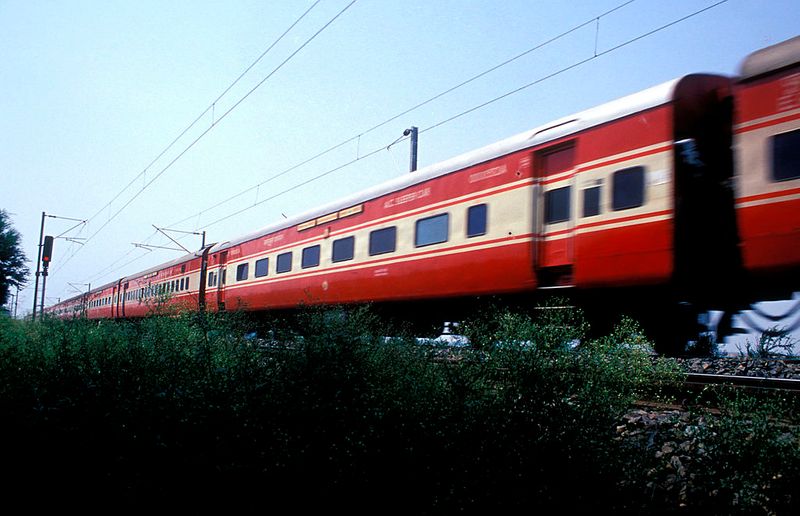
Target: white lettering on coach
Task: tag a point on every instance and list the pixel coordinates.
(409, 197)
(488, 173)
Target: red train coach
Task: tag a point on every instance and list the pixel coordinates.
(588, 201)
(675, 192)
(767, 144)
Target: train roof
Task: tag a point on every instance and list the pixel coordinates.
(619, 108)
(613, 110)
(770, 59)
(177, 261)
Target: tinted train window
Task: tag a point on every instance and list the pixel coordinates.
(476, 220)
(382, 241)
(310, 257)
(242, 271)
(187, 283)
(556, 205)
(262, 267)
(628, 188)
(343, 249)
(591, 201)
(284, 262)
(432, 230)
(786, 156)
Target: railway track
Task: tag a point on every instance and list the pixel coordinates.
(749, 382)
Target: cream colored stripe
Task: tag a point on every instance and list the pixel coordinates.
(770, 118)
(366, 265)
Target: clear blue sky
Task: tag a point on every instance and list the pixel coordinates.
(92, 91)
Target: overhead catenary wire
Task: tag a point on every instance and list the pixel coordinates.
(359, 135)
(210, 107)
(572, 66)
(475, 108)
(409, 110)
(209, 129)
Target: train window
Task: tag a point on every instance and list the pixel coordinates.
(786, 156)
(310, 257)
(343, 249)
(556, 205)
(476, 220)
(284, 262)
(187, 283)
(210, 279)
(183, 284)
(432, 230)
(224, 273)
(382, 241)
(628, 188)
(591, 201)
(242, 271)
(262, 267)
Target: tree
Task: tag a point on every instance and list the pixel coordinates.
(13, 272)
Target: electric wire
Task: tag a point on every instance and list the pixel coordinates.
(204, 112)
(209, 129)
(472, 109)
(408, 110)
(461, 114)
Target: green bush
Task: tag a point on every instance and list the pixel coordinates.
(324, 410)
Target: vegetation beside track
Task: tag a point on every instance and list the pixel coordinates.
(325, 411)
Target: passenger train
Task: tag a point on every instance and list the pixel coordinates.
(684, 194)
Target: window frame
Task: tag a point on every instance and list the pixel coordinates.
(640, 200)
(280, 263)
(434, 229)
(262, 266)
(596, 202)
(784, 149)
(483, 223)
(311, 256)
(373, 245)
(338, 244)
(552, 217)
(243, 271)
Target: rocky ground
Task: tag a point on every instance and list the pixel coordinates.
(675, 441)
(771, 368)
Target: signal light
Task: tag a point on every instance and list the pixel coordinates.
(47, 250)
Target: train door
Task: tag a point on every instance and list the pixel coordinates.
(215, 284)
(223, 260)
(554, 225)
(123, 297)
(115, 301)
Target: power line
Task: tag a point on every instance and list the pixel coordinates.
(203, 113)
(411, 109)
(456, 116)
(475, 108)
(354, 138)
(213, 125)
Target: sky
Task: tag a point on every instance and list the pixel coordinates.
(98, 100)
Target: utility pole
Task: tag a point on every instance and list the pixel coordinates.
(38, 268)
(414, 132)
(39, 258)
(47, 255)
